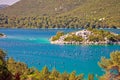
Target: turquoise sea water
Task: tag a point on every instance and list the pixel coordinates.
(32, 46)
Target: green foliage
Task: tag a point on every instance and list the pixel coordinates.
(95, 38)
(5, 74)
(100, 32)
(64, 76)
(111, 38)
(17, 67)
(111, 66)
(45, 70)
(103, 13)
(118, 37)
(2, 54)
(72, 76)
(48, 22)
(105, 63)
(73, 37)
(101, 35)
(98, 35)
(115, 57)
(114, 60)
(54, 75)
(90, 77)
(80, 77)
(2, 57)
(57, 36)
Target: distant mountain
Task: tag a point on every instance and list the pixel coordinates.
(3, 6)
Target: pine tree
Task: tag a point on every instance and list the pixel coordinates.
(72, 76)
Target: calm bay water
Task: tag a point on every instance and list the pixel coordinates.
(32, 46)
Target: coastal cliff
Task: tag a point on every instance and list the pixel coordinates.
(86, 36)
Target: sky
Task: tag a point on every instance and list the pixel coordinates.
(9, 2)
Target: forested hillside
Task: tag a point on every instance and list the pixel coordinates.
(41, 7)
(102, 10)
(62, 14)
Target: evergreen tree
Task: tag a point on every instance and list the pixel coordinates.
(54, 74)
(90, 77)
(44, 74)
(72, 76)
(5, 74)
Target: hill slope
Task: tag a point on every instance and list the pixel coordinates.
(109, 10)
(41, 7)
(66, 13)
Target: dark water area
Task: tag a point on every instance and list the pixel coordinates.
(32, 47)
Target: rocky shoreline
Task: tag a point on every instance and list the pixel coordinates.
(85, 34)
(2, 35)
(84, 43)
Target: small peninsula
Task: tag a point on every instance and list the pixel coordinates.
(86, 36)
(2, 35)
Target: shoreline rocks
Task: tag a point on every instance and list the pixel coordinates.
(2, 35)
(84, 43)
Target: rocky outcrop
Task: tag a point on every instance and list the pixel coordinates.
(85, 34)
(2, 35)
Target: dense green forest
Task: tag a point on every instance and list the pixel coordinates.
(62, 14)
(51, 22)
(12, 70)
